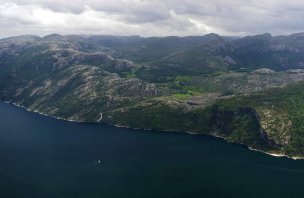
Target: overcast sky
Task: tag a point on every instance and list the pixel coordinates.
(151, 18)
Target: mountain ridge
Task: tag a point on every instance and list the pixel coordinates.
(246, 90)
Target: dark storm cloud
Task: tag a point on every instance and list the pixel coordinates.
(148, 18)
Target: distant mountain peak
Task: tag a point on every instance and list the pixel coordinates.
(301, 34)
(212, 35)
(52, 36)
(265, 35)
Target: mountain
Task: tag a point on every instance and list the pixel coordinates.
(246, 90)
(253, 52)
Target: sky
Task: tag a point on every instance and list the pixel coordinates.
(151, 17)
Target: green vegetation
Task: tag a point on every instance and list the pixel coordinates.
(129, 74)
(296, 114)
(161, 116)
(197, 84)
(187, 95)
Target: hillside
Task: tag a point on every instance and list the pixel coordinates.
(246, 90)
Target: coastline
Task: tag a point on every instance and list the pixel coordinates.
(280, 155)
(40, 113)
(277, 154)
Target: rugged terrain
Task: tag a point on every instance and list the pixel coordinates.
(247, 90)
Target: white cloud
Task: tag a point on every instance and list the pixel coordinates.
(150, 18)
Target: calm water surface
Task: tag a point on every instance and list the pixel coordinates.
(44, 157)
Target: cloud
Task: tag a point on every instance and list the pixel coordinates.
(151, 18)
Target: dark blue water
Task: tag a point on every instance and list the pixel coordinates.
(45, 157)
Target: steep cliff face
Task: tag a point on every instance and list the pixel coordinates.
(280, 116)
(227, 123)
(276, 124)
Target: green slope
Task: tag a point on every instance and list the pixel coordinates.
(205, 84)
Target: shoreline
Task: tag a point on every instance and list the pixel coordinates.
(276, 154)
(40, 113)
(279, 155)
